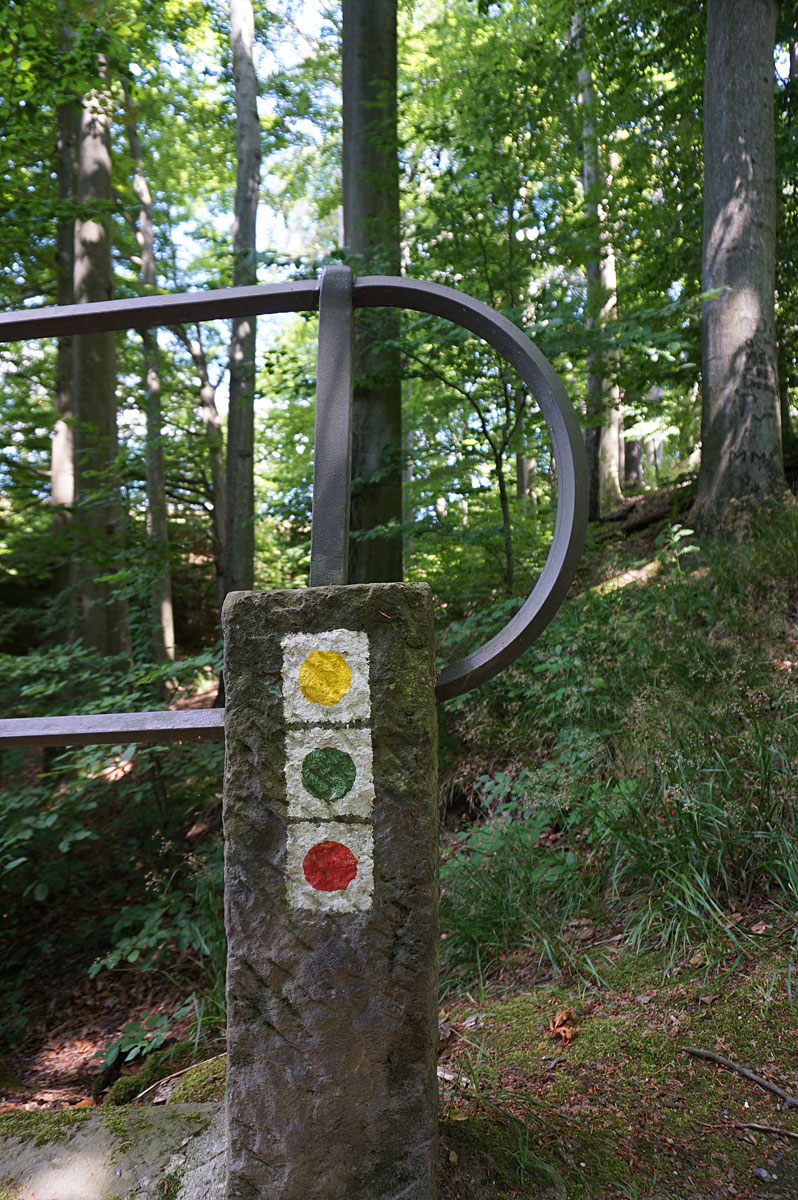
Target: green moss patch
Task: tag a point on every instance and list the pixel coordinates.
(204, 1083)
(156, 1066)
(126, 1124)
(611, 1100)
(42, 1127)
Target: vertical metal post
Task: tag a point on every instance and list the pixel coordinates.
(332, 453)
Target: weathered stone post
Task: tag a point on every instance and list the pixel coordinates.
(330, 822)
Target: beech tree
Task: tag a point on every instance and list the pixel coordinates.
(603, 400)
(62, 454)
(102, 616)
(162, 616)
(371, 235)
(741, 456)
(240, 506)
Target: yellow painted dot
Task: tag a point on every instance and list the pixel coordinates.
(324, 677)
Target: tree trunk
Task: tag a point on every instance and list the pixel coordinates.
(788, 437)
(161, 610)
(102, 617)
(741, 455)
(62, 454)
(507, 527)
(525, 469)
(653, 448)
(212, 423)
(371, 235)
(603, 396)
(239, 537)
(610, 494)
(633, 464)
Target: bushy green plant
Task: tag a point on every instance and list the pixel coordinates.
(105, 819)
(141, 1037)
(182, 922)
(653, 725)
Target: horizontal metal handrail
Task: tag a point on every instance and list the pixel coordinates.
(108, 729)
(368, 292)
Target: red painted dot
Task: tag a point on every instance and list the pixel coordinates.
(329, 866)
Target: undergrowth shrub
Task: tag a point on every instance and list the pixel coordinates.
(91, 833)
(654, 728)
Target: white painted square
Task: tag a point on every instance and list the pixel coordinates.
(356, 742)
(359, 839)
(355, 705)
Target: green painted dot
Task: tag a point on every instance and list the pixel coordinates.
(327, 773)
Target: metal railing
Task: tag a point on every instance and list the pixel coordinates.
(336, 295)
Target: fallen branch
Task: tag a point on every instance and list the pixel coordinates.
(746, 1074)
(784, 1133)
(175, 1075)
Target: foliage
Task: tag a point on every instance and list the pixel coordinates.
(659, 714)
(142, 1036)
(639, 763)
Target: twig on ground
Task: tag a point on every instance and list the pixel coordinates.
(784, 1133)
(746, 1074)
(175, 1075)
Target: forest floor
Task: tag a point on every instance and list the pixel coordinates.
(626, 1073)
(597, 1079)
(548, 1088)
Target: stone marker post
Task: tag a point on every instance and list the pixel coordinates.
(330, 822)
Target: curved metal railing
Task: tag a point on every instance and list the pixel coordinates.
(335, 295)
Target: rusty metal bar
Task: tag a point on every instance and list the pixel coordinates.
(332, 447)
(174, 725)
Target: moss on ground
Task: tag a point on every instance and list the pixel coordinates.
(202, 1084)
(154, 1068)
(617, 1106)
(42, 1127)
(485, 1157)
(125, 1124)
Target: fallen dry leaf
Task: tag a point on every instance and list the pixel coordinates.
(565, 1033)
(559, 1027)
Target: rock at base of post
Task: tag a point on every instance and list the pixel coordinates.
(331, 894)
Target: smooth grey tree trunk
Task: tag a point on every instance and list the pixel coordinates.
(633, 464)
(741, 458)
(102, 616)
(525, 468)
(62, 452)
(371, 236)
(603, 404)
(239, 538)
(788, 437)
(161, 609)
(212, 424)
